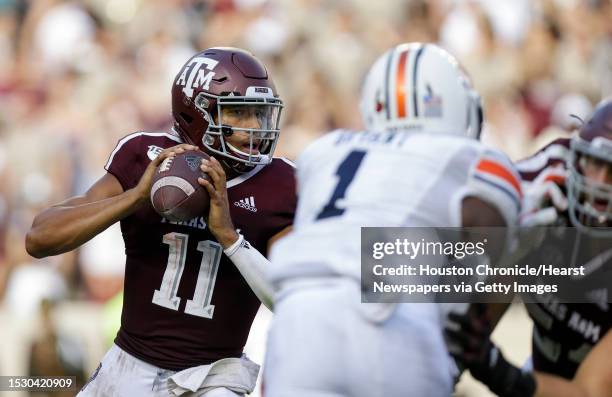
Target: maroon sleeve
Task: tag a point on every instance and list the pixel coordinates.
(264, 204)
(554, 154)
(123, 158)
(288, 186)
(285, 201)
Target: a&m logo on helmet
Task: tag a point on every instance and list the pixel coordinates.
(197, 74)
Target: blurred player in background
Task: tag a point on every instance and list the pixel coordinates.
(571, 343)
(187, 308)
(419, 163)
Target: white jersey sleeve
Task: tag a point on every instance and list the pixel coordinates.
(494, 179)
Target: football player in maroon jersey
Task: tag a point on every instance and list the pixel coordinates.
(192, 288)
(572, 342)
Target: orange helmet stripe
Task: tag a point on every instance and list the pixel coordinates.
(400, 84)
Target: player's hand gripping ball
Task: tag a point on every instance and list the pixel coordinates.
(176, 194)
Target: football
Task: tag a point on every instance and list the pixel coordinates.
(176, 194)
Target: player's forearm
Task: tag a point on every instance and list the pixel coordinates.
(61, 229)
(555, 386)
(252, 264)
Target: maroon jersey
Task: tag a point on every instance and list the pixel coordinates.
(563, 333)
(554, 154)
(185, 303)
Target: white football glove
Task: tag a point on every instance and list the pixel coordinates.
(543, 199)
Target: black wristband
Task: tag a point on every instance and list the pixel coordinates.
(503, 378)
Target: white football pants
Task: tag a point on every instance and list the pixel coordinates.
(123, 375)
(324, 342)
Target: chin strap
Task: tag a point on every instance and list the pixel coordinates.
(252, 265)
(234, 170)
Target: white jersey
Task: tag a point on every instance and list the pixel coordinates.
(348, 180)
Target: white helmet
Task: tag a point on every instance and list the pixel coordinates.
(422, 87)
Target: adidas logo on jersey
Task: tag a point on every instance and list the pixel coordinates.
(248, 203)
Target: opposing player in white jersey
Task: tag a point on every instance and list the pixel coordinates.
(419, 163)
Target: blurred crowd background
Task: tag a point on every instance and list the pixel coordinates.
(76, 76)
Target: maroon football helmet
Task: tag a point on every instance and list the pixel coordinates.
(590, 202)
(222, 77)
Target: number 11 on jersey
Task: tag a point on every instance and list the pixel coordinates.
(166, 295)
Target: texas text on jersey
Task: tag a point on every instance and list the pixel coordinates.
(563, 333)
(185, 303)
